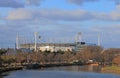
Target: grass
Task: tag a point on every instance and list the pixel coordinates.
(111, 69)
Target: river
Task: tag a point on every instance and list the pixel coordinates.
(62, 72)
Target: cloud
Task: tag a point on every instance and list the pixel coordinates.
(11, 3)
(18, 3)
(63, 15)
(53, 14)
(20, 14)
(33, 2)
(117, 2)
(80, 2)
(109, 34)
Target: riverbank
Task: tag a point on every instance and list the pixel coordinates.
(111, 69)
(32, 66)
(7, 69)
(38, 66)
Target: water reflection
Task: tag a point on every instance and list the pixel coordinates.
(77, 68)
(62, 72)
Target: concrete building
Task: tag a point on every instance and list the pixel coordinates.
(53, 47)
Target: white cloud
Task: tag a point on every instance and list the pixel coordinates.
(20, 14)
(62, 15)
(53, 14)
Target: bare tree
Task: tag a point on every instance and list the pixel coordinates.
(116, 60)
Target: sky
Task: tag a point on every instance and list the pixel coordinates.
(60, 21)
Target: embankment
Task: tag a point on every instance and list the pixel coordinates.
(111, 69)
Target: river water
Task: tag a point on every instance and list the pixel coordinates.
(62, 72)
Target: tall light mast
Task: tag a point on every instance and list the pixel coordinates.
(35, 35)
(79, 37)
(98, 39)
(17, 41)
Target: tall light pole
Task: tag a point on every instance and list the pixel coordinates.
(17, 41)
(79, 37)
(98, 39)
(35, 35)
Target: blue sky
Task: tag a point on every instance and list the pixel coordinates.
(60, 21)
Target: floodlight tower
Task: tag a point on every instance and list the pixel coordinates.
(98, 39)
(35, 35)
(17, 41)
(79, 37)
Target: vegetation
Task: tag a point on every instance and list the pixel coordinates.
(109, 55)
(116, 60)
(11, 56)
(90, 54)
(111, 69)
(94, 54)
(2, 51)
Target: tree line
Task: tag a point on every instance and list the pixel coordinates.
(95, 53)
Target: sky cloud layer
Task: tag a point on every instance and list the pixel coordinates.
(33, 2)
(11, 3)
(52, 14)
(19, 3)
(63, 15)
(117, 2)
(58, 19)
(80, 2)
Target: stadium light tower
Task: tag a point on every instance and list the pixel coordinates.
(79, 37)
(17, 41)
(35, 35)
(98, 39)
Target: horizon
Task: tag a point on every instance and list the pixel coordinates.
(60, 20)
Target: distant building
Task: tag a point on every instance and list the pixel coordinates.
(54, 47)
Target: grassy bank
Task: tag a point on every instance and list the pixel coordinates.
(7, 69)
(111, 69)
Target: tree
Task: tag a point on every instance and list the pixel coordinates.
(67, 56)
(21, 57)
(109, 54)
(90, 53)
(116, 60)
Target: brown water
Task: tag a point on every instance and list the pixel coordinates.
(62, 72)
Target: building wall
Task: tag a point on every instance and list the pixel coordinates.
(48, 47)
(56, 48)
